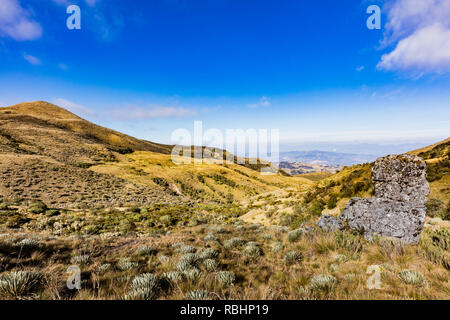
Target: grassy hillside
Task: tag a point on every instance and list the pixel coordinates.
(62, 118)
(70, 161)
(222, 183)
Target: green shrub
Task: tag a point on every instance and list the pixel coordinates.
(332, 202)
(294, 235)
(349, 241)
(37, 207)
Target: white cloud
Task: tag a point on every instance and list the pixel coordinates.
(420, 31)
(15, 22)
(263, 102)
(361, 68)
(137, 113)
(73, 107)
(32, 59)
(426, 50)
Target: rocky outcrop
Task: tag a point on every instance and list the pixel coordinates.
(398, 209)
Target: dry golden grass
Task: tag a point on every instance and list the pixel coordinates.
(344, 258)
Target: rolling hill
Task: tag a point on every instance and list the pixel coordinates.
(51, 154)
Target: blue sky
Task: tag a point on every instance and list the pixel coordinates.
(309, 68)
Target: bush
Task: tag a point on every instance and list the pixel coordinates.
(226, 277)
(233, 243)
(193, 274)
(146, 251)
(198, 295)
(173, 276)
(292, 257)
(434, 207)
(277, 247)
(411, 277)
(316, 207)
(20, 283)
(210, 265)
(37, 207)
(349, 241)
(187, 249)
(166, 220)
(252, 251)
(144, 287)
(208, 253)
(323, 283)
(332, 202)
(125, 264)
(294, 235)
(80, 259)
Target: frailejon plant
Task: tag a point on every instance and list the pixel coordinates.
(190, 258)
(193, 274)
(125, 264)
(340, 258)
(210, 265)
(80, 259)
(292, 257)
(173, 276)
(323, 283)
(104, 267)
(412, 277)
(210, 237)
(294, 235)
(188, 249)
(226, 277)
(29, 244)
(208, 253)
(252, 251)
(233, 243)
(277, 247)
(198, 295)
(20, 283)
(146, 286)
(184, 266)
(145, 251)
(163, 259)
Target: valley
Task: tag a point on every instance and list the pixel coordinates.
(141, 227)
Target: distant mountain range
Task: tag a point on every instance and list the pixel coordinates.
(332, 159)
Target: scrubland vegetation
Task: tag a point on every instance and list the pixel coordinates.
(140, 227)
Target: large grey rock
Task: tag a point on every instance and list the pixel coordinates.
(398, 209)
(385, 217)
(400, 178)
